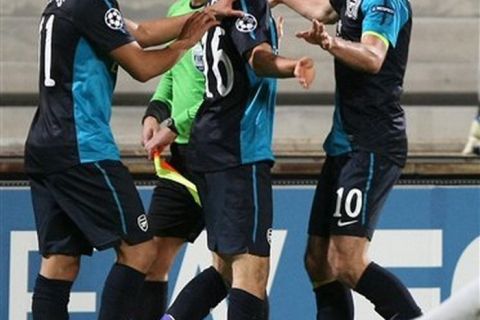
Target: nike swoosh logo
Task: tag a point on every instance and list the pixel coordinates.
(341, 223)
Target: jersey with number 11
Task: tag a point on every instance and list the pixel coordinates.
(76, 82)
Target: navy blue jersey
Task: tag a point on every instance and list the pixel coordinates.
(234, 124)
(77, 78)
(368, 115)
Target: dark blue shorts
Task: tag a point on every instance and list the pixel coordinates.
(237, 204)
(350, 194)
(93, 205)
(173, 212)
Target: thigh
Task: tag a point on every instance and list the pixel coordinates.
(173, 212)
(56, 232)
(237, 205)
(103, 202)
(325, 197)
(363, 186)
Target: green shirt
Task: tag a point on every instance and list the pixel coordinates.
(182, 87)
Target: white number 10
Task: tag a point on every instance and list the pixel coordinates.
(47, 62)
(351, 212)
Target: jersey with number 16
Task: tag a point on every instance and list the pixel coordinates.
(235, 122)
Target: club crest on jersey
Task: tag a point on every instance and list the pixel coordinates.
(247, 23)
(352, 8)
(142, 222)
(114, 19)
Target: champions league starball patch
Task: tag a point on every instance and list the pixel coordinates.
(247, 23)
(114, 19)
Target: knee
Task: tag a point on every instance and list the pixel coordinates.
(312, 263)
(60, 267)
(343, 269)
(166, 251)
(251, 274)
(317, 266)
(140, 257)
(223, 268)
(260, 276)
(159, 270)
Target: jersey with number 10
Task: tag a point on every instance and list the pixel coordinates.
(234, 124)
(77, 78)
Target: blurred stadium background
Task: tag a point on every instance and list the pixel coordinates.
(440, 100)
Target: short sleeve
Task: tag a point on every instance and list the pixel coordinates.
(385, 18)
(102, 23)
(253, 28)
(337, 5)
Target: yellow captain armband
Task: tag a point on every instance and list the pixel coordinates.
(378, 35)
(166, 171)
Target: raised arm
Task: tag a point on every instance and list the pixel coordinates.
(144, 65)
(156, 32)
(266, 64)
(321, 10)
(367, 55)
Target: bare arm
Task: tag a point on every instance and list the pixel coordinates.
(367, 55)
(266, 64)
(156, 32)
(142, 64)
(145, 64)
(311, 9)
(160, 31)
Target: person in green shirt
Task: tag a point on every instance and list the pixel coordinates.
(175, 213)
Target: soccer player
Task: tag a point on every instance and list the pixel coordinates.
(366, 150)
(82, 195)
(230, 154)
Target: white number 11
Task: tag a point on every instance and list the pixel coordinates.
(47, 62)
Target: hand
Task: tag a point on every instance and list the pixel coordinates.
(317, 35)
(305, 72)
(194, 29)
(159, 141)
(150, 126)
(274, 3)
(223, 8)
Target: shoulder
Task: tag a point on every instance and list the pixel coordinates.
(386, 6)
(337, 5)
(177, 6)
(251, 6)
(94, 6)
